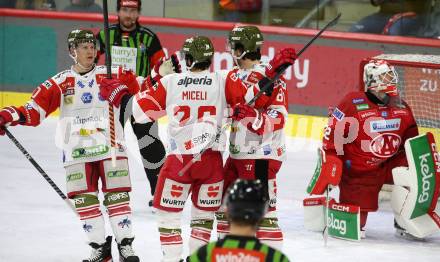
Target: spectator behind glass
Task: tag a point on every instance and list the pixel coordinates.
(86, 6)
(29, 4)
(395, 17)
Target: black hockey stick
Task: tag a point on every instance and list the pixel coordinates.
(281, 71)
(108, 63)
(38, 167)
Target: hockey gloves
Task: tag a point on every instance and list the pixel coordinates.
(128, 78)
(8, 116)
(283, 59)
(112, 90)
(249, 117)
(165, 67)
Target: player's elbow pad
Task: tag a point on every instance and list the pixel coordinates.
(328, 172)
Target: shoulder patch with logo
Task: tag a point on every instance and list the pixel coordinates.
(338, 114)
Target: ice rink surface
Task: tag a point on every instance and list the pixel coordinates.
(35, 225)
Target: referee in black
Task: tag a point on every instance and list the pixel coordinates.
(137, 48)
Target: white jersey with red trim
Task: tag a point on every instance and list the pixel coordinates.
(245, 144)
(196, 104)
(83, 132)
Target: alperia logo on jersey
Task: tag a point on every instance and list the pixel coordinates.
(89, 151)
(338, 114)
(75, 176)
(117, 173)
(195, 81)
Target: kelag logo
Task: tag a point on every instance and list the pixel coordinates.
(86, 98)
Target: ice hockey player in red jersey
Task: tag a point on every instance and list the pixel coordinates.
(84, 121)
(197, 103)
(257, 146)
(364, 139)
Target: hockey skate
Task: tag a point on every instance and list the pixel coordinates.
(126, 253)
(101, 253)
(402, 233)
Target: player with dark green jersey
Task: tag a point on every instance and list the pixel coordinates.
(132, 45)
(246, 204)
(137, 48)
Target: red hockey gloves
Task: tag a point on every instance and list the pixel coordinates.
(282, 59)
(165, 67)
(113, 90)
(128, 78)
(8, 116)
(249, 117)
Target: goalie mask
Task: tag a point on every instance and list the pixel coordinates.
(379, 76)
(197, 49)
(248, 39)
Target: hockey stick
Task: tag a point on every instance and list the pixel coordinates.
(108, 63)
(38, 167)
(281, 71)
(325, 231)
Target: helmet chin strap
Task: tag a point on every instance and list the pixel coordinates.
(236, 58)
(74, 57)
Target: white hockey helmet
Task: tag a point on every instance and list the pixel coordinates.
(380, 76)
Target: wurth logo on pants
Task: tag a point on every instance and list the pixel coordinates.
(176, 191)
(213, 191)
(210, 195)
(174, 194)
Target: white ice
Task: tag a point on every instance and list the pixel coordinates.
(35, 225)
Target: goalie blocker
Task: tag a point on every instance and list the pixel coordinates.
(342, 221)
(417, 187)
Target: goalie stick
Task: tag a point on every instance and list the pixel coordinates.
(38, 167)
(281, 71)
(108, 63)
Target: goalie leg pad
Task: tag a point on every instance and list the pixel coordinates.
(416, 188)
(314, 213)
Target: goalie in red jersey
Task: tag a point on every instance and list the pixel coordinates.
(364, 140)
